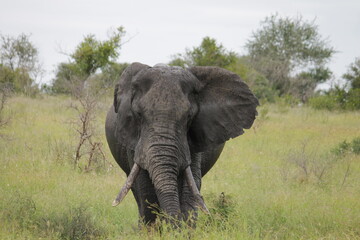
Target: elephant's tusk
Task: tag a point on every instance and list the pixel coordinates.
(129, 182)
(191, 182)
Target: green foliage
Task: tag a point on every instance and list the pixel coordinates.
(337, 99)
(303, 84)
(342, 148)
(109, 76)
(327, 102)
(5, 117)
(345, 147)
(209, 53)
(289, 39)
(66, 76)
(341, 98)
(92, 54)
(284, 46)
(319, 74)
(353, 74)
(90, 57)
(353, 99)
(356, 145)
(18, 52)
(19, 64)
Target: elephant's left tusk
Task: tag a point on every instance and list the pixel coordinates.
(129, 182)
(191, 182)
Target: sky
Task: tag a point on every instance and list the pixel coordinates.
(158, 29)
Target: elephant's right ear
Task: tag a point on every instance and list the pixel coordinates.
(127, 129)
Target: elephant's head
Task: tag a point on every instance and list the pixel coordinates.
(166, 113)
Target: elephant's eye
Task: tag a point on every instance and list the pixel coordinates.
(135, 109)
(142, 84)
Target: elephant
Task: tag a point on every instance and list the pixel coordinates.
(166, 129)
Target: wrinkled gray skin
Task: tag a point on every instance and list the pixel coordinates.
(167, 118)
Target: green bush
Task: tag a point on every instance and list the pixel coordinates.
(323, 102)
(337, 99)
(346, 147)
(355, 145)
(342, 148)
(353, 99)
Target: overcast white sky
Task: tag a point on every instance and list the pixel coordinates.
(161, 28)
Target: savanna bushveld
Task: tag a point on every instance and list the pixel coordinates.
(295, 174)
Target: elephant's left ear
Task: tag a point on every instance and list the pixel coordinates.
(226, 107)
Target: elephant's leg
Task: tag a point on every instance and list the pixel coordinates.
(188, 201)
(145, 196)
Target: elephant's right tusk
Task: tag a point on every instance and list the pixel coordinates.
(191, 182)
(129, 182)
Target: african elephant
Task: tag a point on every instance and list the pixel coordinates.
(167, 128)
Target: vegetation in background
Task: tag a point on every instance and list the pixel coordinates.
(89, 57)
(4, 95)
(209, 53)
(287, 58)
(19, 64)
(353, 74)
(291, 54)
(341, 98)
(212, 53)
(346, 147)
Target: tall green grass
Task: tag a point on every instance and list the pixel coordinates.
(280, 180)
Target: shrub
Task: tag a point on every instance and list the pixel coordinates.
(345, 147)
(76, 223)
(342, 148)
(323, 102)
(306, 166)
(337, 99)
(18, 209)
(353, 99)
(355, 145)
(223, 208)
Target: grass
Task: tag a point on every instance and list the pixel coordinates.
(266, 184)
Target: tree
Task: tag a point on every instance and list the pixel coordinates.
(290, 52)
(209, 53)
(353, 74)
(89, 57)
(92, 54)
(19, 63)
(342, 97)
(4, 95)
(67, 74)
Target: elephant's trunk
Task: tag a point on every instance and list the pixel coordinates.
(163, 170)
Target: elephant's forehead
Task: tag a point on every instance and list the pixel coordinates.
(161, 65)
(167, 72)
